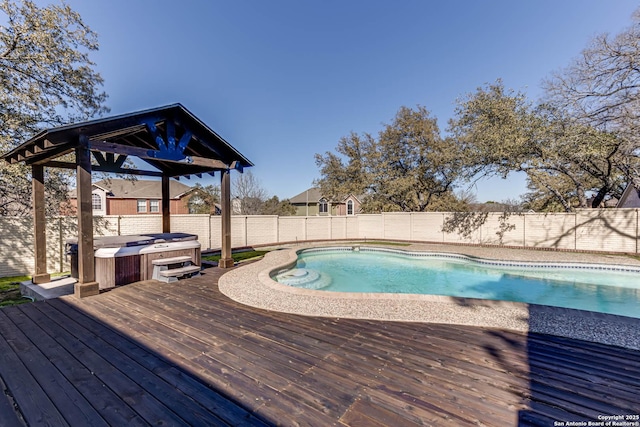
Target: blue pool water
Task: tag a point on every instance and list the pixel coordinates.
(605, 289)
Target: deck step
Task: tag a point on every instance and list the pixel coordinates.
(173, 260)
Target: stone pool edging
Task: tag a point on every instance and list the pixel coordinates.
(252, 285)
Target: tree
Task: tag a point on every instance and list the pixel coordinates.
(602, 85)
(203, 199)
(601, 89)
(275, 206)
(499, 131)
(582, 139)
(249, 192)
(340, 179)
(47, 79)
(409, 167)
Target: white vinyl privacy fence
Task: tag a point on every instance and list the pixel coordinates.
(615, 230)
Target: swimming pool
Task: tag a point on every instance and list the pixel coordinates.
(608, 289)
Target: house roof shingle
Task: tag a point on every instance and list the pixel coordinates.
(311, 195)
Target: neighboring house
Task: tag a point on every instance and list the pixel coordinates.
(312, 203)
(630, 198)
(125, 197)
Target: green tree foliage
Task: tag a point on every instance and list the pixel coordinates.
(203, 199)
(340, 179)
(600, 89)
(275, 206)
(47, 79)
(499, 131)
(408, 168)
(582, 139)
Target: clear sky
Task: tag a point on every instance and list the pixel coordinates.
(282, 80)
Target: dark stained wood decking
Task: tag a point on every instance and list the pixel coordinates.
(184, 354)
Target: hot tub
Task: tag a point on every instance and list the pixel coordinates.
(120, 260)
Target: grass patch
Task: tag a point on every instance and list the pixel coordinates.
(379, 242)
(237, 256)
(10, 291)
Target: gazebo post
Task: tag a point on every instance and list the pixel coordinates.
(86, 285)
(226, 261)
(40, 274)
(166, 205)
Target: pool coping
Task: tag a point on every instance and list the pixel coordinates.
(252, 285)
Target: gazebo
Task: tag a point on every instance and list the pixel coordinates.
(171, 139)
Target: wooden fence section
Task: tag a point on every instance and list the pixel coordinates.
(615, 230)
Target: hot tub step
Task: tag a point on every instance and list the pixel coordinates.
(173, 260)
(171, 275)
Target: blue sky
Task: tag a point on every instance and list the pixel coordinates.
(282, 80)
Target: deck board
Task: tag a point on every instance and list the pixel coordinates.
(184, 354)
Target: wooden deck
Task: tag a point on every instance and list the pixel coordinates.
(183, 354)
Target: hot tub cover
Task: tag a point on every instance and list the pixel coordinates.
(135, 240)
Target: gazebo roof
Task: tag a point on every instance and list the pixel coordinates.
(170, 138)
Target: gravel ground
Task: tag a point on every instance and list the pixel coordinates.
(252, 285)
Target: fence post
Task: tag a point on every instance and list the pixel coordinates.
(60, 237)
(575, 231)
(209, 231)
(410, 225)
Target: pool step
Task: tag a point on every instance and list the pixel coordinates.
(304, 278)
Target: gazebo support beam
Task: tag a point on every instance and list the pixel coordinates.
(226, 261)
(166, 205)
(99, 168)
(86, 285)
(40, 274)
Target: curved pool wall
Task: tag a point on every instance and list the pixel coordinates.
(253, 285)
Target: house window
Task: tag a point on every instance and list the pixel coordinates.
(154, 206)
(323, 206)
(96, 202)
(350, 207)
(142, 206)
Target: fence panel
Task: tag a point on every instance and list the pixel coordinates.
(474, 233)
(261, 229)
(338, 227)
(588, 230)
(353, 227)
(370, 226)
(292, 228)
(318, 228)
(397, 225)
(556, 231)
(192, 224)
(503, 229)
(139, 224)
(609, 231)
(427, 226)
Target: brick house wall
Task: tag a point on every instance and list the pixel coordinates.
(108, 203)
(130, 207)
